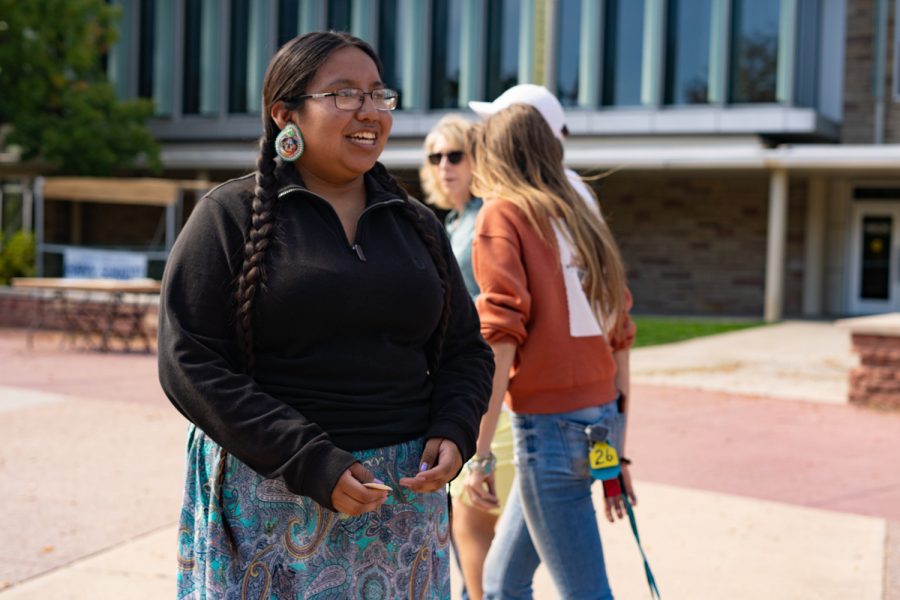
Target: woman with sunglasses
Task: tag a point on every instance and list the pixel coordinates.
(316, 331)
(447, 178)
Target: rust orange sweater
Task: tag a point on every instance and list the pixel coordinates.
(530, 295)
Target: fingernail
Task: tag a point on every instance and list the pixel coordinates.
(423, 467)
(376, 480)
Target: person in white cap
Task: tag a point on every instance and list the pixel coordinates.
(550, 108)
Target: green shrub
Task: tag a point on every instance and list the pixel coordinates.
(16, 256)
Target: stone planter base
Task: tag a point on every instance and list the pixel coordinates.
(876, 381)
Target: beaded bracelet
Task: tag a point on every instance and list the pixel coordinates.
(482, 464)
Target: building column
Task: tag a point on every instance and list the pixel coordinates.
(814, 252)
(775, 245)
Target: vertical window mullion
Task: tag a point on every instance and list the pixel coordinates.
(590, 67)
(416, 32)
(119, 66)
(527, 43)
(257, 52)
(787, 52)
(364, 20)
(654, 52)
(209, 57)
(719, 50)
(167, 63)
(472, 46)
(312, 16)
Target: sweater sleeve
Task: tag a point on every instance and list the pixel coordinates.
(623, 337)
(200, 364)
(463, 379)
(504, 304)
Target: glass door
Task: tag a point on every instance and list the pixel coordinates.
(875, 267)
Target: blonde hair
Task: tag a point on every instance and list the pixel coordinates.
(515, 156)
(454, 129)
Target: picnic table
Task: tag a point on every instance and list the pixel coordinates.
(98, 311)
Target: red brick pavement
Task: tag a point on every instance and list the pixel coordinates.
(75, 488)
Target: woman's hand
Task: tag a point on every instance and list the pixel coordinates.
(617, 503)
(482, 489)
(441, 460)
(351, 497)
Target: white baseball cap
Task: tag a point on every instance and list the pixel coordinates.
(527, 93)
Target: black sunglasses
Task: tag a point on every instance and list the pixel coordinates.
(454, 157)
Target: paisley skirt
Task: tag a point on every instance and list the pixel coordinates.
(267, 543)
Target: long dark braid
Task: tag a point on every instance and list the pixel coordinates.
(258, 239)
(429, 237)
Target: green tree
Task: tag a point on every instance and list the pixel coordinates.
(55, 101)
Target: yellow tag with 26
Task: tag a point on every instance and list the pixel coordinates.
(603, 455)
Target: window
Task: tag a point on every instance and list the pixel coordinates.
(754, 50)
(388, 46)
(288, 19)
(502, 71)
(339, 15)
(248, 55)
(445, 52)
(145, 48)
(687, 52)
(192, 32)
(623, 52)
(199, 94)
(567, 57)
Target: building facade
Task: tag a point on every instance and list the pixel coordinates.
(745, 151)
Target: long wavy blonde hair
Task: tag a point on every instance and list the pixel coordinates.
(516, 157)
(454, 129)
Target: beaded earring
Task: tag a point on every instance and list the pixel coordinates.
(289, 143)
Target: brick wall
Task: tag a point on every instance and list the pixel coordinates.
(693, 244)
(19, 308)
(859, 103)
(697, 244)
(876, 381)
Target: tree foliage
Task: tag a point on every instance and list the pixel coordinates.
(16, 256)
(56, 103)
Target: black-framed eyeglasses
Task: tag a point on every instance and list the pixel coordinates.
(454, 157)
(353, 98)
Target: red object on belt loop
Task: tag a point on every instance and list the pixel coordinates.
(612, 488)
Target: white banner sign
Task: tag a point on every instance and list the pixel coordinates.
(81, 263)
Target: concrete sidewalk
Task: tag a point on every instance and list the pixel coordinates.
(740, 496)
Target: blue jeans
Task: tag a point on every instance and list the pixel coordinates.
(550, 516)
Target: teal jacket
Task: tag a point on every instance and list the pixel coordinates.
(461, 230)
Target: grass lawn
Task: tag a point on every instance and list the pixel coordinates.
(663, 330)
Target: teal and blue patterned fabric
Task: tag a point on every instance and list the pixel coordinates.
(267, 543)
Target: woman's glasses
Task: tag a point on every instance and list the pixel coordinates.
(454, 157)
(353, 98)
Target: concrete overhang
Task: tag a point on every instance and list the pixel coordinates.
(640, 154)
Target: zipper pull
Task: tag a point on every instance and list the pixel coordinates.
(359, 252)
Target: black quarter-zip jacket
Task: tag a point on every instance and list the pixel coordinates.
(340, 334)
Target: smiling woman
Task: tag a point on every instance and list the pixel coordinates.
(316, 331)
